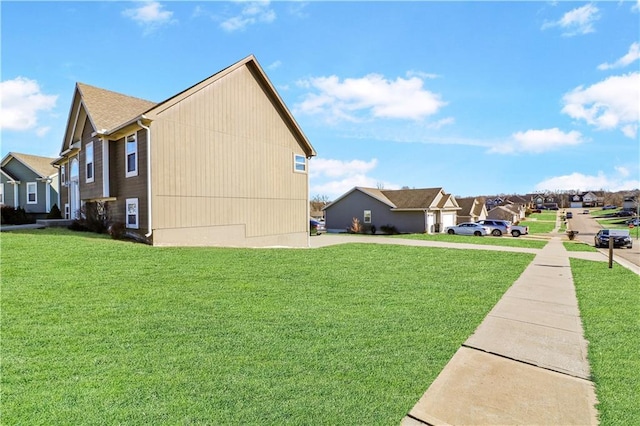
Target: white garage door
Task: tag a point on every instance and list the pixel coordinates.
(447, 220)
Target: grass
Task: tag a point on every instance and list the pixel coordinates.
(545, 216)
(609, 301)
(578, 246)
(539, 227)
(96, 331)
(506, 241)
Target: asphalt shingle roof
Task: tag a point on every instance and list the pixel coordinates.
(40, 165)
(110, 109)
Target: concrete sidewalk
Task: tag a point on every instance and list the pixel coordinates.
(527, 361)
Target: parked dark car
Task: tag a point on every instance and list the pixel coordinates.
(624, 213)
(609, 207)
(569, 215)
(621, 238)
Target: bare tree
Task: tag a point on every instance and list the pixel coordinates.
(380, 185)
(322, 199)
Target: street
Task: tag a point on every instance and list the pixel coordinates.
(587, 228)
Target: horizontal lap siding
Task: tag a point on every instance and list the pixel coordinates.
(122, 187)
(93, 189)
(224, 156)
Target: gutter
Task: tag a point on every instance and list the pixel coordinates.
(148, 129)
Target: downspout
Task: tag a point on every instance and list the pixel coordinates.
(148, 234)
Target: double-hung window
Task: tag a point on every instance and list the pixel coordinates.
(367, 216)
(299, 163)
(32, 193)
(89, 162)
(131, 155)
(63, 175)
(1, 193)
(132, 213)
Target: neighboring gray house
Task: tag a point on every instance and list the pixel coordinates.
(427, 210)
(472, 209)
(30, 182)
(630, 203)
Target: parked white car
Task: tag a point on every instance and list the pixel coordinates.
(467, 228)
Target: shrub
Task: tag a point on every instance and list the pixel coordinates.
(12, 216)
(54, 213)
(356, 227)
(94, 217)
(389, 229)
(116, 230)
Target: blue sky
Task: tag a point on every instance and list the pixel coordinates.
(479, 98)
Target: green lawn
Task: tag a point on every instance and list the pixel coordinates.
(545, 215)
(609, 301)
(96, 331)
(505, 240)
(539, 226)
(579, 246)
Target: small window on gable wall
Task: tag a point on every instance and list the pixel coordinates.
(89, 161)
(367, 216)
(63, 174)
(299, 163)
(131, 155)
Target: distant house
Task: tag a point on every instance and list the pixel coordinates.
(222, 163)
(427, 210)
(30, 182)
(472, 209)
(630, 202)
(507, 212)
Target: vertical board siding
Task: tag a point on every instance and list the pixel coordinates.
(224, 156)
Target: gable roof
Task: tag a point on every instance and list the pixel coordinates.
(471, 206)
(108, 109)
(405, 199)
(41, 166)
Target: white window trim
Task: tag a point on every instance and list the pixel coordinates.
(92, 163)
(35, 201)
(126, 212)
(365, 214)
(296, 162)
(1, 193)
(134, 172)
(63, 174)
(66, 211)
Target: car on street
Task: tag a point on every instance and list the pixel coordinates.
(496, 227)
(621, 238)
(634, 222)
(585, 212)
(467, 228)
(624, 213)
(609, 207)
(517, 230)
(569, 215)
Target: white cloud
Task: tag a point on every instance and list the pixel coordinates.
(616, 182)
(358, 99)
(622, 171)
(342, 176)
(149, 15)
(538, 141)
(578, 21)
(609, 104)
(631, 56)
(21, 101)
(274, 65)
(251, 13)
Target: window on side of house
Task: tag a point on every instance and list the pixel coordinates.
(131, 155)
(89, 162)
(32, 193)
(2, 193)
(66, 211)
(367, 216)
(132, 213)
(63, 175)
(299, 163)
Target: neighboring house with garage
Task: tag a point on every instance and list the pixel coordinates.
(221, 163)
(472, 209)
(427, 210)
(30, 182)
